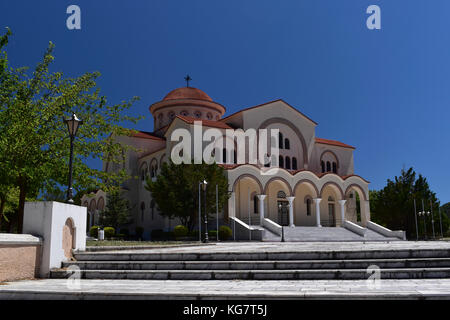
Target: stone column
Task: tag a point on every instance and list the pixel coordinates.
(261, 198)
(317, 202)
(291, 211)
(342, 203)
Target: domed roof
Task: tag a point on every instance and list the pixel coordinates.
(187, 93)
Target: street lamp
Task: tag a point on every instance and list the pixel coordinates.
(282, 227)
(424, 213)
(204, 184)
(72, 125)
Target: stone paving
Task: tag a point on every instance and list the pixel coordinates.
(235, 289)
(243, 289)
(298, 247)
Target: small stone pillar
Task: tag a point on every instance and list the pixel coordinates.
(261, 198)
(342, 203)
(291, 211)
(317, 202)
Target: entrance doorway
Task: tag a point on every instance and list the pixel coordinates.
(331, 215)
(283, 213)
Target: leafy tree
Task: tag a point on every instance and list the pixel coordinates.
(175, 190)
(34, 142)
(117, 211)
(445, 209)
(393, 206)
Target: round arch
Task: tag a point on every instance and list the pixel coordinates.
(334, 155)
(359, 188)
(307, 181)
(247, 175)
(295, 129)
(279, 179)
(331, 183)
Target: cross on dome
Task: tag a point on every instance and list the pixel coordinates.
(187, 78)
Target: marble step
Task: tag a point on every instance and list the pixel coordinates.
(325, 274)
(259, 265)
(267, 255)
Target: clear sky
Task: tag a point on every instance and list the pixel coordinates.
(386, 91)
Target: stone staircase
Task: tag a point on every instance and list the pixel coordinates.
(250, 265)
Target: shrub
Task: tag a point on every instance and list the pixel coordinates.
(212, 234)
(93, 232)
(157, 234)
(139, 232)
(109, 232)
(225, 233)
(180, 231)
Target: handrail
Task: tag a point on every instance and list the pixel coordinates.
(272, 226)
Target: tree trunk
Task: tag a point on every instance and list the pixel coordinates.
(22, 197)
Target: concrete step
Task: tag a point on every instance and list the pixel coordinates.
(338, 274)
(265, 255)
(260, 265)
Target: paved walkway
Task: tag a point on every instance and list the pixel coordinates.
(215, 289)
(298, 247)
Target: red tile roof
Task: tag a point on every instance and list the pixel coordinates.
(145, 135)
(333, 143)
(207, 123)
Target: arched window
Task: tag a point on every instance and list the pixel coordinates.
(266, 161)
(287, 144)
(294, 163)
(288, 163)
(281, 162)
(255, 204)
(308, 206)
(142, 174)
(235, 157)
(224, 155)
(280, 140)
(328, 166)
(322, 164)
(281, 195)
(334, 167)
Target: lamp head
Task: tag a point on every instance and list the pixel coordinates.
(73, 124)
(204, 183)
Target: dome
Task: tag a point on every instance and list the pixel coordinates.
(187, 93)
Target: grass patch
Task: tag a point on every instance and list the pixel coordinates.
(122, 243)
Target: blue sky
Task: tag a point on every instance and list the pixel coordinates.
(386, 91)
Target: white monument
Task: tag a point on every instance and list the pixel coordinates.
(62, 227)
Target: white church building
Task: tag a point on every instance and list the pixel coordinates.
(315, 185)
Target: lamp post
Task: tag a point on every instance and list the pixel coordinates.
(432, 219)
(199, 213)
(424, 213)
(282, 227)
(204, 184)
(415, 216)
(72, 125)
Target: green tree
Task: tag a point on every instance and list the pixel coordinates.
(445, 209)
(175, 190)
(393, 206)
(34, 142)
(117, 211)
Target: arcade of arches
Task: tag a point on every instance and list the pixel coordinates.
(304, 203)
